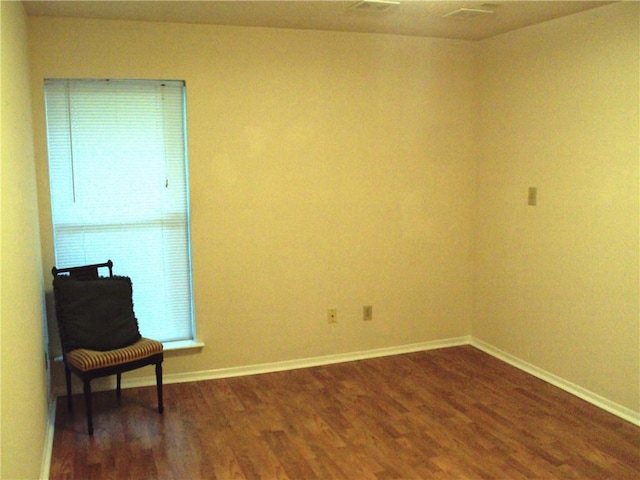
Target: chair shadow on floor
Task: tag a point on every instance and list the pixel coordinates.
(107, 408)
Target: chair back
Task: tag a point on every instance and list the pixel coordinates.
(84, 272)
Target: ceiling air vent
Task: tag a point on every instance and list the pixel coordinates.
(467, 13)
(374, 5)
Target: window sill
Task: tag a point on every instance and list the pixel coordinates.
(182, 345)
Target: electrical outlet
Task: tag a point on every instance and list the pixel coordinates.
(332, 315)
(367, 313)
(532, 197)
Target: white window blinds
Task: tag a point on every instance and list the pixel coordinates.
(119, 191)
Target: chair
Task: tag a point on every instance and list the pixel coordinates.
(99, 331)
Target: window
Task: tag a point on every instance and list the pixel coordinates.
(119, 191)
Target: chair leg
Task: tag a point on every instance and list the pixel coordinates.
(87, 400)
(159, 386)
(118, 384)
(67, 375)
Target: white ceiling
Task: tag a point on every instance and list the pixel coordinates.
(410, 17)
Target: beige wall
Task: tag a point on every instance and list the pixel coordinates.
(557, 284)
(338, 170)
(23, 415)
(327, 170)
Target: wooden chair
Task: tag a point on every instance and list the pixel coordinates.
(99, 331)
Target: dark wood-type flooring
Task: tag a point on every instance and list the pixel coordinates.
(441, 414)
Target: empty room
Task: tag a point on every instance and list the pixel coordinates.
(394, 239)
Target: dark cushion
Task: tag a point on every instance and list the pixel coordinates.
(95, 314)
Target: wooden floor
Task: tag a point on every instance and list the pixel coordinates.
(442, 414)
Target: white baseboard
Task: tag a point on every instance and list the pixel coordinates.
(257, 369)
(312, 362)
(580, 392)
(593, 398)
(102, 384)
(48, 442)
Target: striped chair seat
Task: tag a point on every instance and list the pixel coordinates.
(86, 360)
